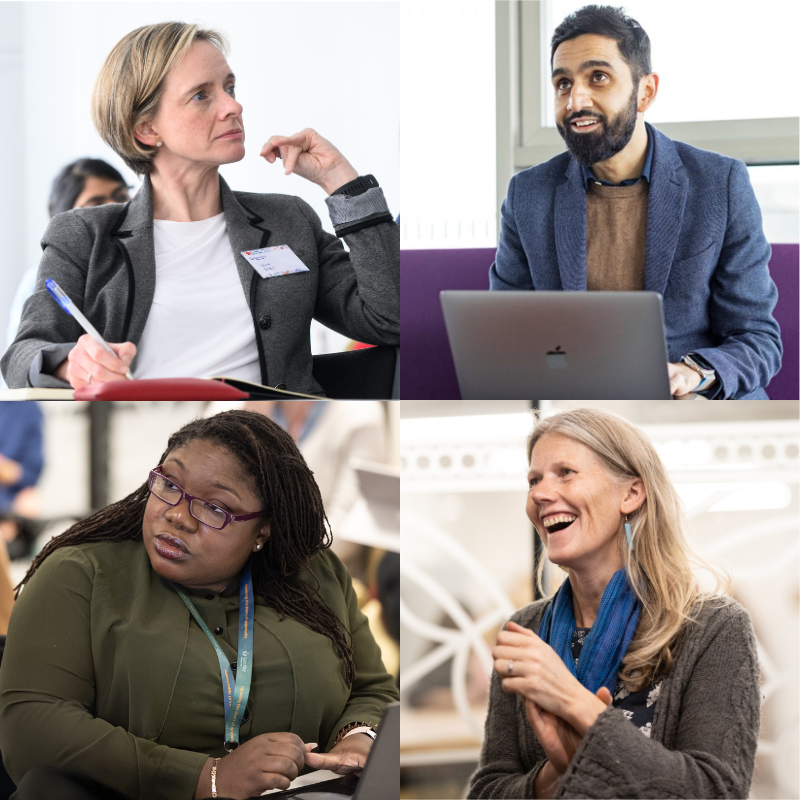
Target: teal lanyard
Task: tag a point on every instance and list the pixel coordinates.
(235, 699)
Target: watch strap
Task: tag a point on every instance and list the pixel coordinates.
(358, 186)
(702, 368)
(351, 728)
(363, 729)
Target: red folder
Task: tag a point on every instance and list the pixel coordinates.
(161, 389)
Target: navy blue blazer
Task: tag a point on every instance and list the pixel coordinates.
(706, 255)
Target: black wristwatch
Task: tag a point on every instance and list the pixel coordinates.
(358, 186)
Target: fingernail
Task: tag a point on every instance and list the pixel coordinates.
(313, 746)
(126, 359)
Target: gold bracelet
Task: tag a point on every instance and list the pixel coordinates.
(214, 778)
(347, 728)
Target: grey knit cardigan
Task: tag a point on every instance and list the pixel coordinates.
(704, 733)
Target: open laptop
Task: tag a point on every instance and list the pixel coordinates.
(557, 345)
(374, 519)
(380, 778)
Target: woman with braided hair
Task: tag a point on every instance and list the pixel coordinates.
(110, 686)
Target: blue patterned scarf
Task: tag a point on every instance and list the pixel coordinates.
(608, 640)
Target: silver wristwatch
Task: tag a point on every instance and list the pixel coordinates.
(707, 376)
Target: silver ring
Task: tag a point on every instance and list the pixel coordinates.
(88, 377)
(510, 667)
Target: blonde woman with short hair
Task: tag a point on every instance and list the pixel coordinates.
(631, 681)
(165, 278)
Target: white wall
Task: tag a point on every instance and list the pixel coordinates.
(333, 66)
(448, 98)
(12, 143)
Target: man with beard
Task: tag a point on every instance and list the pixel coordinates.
(627, 208)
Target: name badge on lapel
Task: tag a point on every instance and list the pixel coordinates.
(271, 262)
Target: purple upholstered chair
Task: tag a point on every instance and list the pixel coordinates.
(427, 367)
(784, 268)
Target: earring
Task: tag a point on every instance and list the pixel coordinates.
(158, 144)
(258, 547)
(628, 533)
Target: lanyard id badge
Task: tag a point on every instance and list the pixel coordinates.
(234, 694)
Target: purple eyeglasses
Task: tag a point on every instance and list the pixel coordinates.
(203, 511)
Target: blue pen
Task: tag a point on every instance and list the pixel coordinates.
(61, 298)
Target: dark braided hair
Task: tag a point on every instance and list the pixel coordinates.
(287, 489)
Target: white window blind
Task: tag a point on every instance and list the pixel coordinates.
(448, 124)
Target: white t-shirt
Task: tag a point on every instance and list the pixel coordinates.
(200, 324)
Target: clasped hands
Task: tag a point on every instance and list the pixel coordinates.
(559, 709)
(274, 760)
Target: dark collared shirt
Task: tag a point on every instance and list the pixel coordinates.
(638, 707)
(648, 161)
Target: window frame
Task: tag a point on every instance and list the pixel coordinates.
(757, 142)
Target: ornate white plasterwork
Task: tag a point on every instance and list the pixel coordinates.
(701, 451)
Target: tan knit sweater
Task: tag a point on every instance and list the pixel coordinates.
(616, 237)
(703, 738)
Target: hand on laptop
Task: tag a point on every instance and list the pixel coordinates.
(350, 755)
(682, 380)
(268, 761)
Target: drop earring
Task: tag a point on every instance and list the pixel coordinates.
(628, 533)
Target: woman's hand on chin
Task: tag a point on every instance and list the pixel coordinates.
(269, 761)
(311, 157)
(88, 362)
(350, 755)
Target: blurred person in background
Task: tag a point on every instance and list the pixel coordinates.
(380, 603)
(85, 183)
(329, 435)
(119, 693)
(6, 600)
(631, 681)
(21, 464)
(387, 589)
(165, 279)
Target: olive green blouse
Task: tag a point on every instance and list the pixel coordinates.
(106, 675)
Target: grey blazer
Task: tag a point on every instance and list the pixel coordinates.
(104, 259)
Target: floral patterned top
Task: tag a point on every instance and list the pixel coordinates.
(639, 707)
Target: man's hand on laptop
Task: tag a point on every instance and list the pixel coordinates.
(682, 380)
(350, 755)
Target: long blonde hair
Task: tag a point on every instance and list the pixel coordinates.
(660, 563)
(130, 84)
